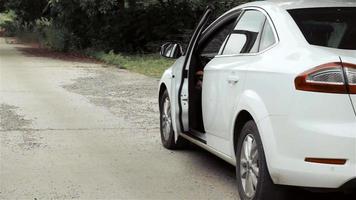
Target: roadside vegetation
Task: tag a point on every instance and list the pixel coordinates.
(148, 64)
(127, 33)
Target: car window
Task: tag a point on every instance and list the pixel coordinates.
(267, 37)
(246, 34)
(328, 27)
(212, 45)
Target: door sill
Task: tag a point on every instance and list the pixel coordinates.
(196, 135)
(199, 142)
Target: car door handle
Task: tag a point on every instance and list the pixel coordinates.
(183, 97)
(233, 79)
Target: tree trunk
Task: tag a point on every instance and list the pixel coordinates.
(132, 4)
(121, 4)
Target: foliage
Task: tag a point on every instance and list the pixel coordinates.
(26, 10)
(85, 19)
(108, 26)
(135, 27)
(54, 36)
(2, 6)
(7, 21)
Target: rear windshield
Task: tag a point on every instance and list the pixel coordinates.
(328, 27)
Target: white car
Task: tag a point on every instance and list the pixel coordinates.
(270, 87)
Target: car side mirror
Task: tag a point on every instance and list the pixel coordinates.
(171, 50)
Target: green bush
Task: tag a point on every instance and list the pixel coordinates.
(54, 36)
(42, 30)
(13, 26)
(7, 23)
(25, 31)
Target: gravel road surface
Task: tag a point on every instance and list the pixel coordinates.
(72, 130)
(78, 130)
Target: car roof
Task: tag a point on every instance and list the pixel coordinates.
(287, 29)
(295, 4)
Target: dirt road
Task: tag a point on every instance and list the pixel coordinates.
(84, 131)
(77, 130)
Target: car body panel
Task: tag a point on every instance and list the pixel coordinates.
(169, 80)
(324, 139)
(223, 82)
(318, 129)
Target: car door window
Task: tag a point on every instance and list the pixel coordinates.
(212, 45)
(267, 38)
(246, 34)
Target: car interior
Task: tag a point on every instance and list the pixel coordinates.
(208, 47)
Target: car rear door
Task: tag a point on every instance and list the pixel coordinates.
(224, 77)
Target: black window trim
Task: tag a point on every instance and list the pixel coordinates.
(217, 24)
(262, 32)
(268, 19)
(228, 37)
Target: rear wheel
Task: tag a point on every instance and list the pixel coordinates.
(166, 126)
(253, 179)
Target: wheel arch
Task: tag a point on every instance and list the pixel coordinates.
(252, 107)
(241, 119)
(162, 89)
(165, 84)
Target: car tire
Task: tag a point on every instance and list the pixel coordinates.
(253, 179)
(166, 126)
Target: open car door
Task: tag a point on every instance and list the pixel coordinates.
(183, 93)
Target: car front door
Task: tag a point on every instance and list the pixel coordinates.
(183, 89)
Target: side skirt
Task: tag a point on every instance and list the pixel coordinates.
(203, 144)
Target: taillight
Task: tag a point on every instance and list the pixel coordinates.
(334, 77)
(350, 71)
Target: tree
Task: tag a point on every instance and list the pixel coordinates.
(131, 4)
(26, 10)
(121, 25)
(2, 6)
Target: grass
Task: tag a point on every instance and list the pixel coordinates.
(151, 65)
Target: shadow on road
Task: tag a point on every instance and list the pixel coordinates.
(298, 194)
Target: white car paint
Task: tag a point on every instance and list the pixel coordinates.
(168, 82)
(293, 124)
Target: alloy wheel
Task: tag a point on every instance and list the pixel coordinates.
(166, 119)
(249, 167)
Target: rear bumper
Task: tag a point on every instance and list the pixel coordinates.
(318, 125)
(295, 140)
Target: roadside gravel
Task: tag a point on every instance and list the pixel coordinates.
(128, 95)
(10, 119)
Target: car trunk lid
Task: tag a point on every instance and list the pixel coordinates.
(351, 59)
